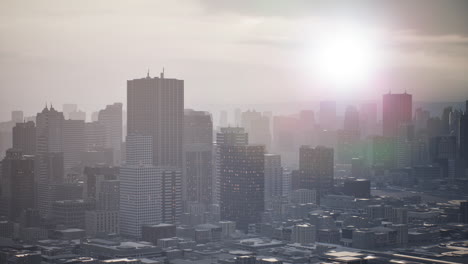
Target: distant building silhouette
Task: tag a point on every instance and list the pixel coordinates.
(49, 161)
(397, 110)
(17, 189)
(111, 119)
(24, 137)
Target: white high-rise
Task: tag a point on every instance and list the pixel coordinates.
(140, 187)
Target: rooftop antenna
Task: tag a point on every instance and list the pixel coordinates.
(147, 74)
(162, 74)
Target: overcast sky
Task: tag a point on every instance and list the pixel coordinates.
(235, 52)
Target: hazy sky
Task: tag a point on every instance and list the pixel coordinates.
(83, 51)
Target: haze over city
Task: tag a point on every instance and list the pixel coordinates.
(233, 132)
(84, 51)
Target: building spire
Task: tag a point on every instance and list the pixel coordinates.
(147, 74)
(162, 74)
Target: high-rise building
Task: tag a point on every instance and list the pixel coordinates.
(156, 109)
(111, 119)
(273, 177)
(24, 137)
(397, 110)
(232, 136)
(102, 189)
(316, 168)
(171, 193)
(198, 148)
(73, 142)
(95, 136)
(226, 136)
(17, 188)
(92, 178)
(49, 163)
(241, 169)
(403, 145)
(140, 187)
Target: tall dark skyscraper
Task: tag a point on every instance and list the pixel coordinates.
(17, 189)
(49, 163)
(316, 168)
(198, 151)
(24, 137)
(242, 183)
(156, 108)
(397, 110)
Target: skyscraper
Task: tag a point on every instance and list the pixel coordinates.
(397, 109)
(73, 142)
(242, 183)
(24, 137)
(111, 119)
(140, 187)
(273, 177)
(316, 168)
(156, 109)
(226, 136)
(49, 168)
(17, 189)
(198, 148)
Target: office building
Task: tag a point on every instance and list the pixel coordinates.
(49, 160)
(156, 109)
(242, 179)
(140, 187)
(397, 110)
(24, 137)
(316, 168)
(73, 142)
(273, 178)
(17, 188)
(198, 148)
(111, 119)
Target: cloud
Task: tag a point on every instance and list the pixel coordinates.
(436, 17)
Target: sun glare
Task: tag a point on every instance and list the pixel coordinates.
(344, 57)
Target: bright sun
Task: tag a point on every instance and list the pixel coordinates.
(344, 57)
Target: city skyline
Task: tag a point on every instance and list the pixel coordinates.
(272, 132)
